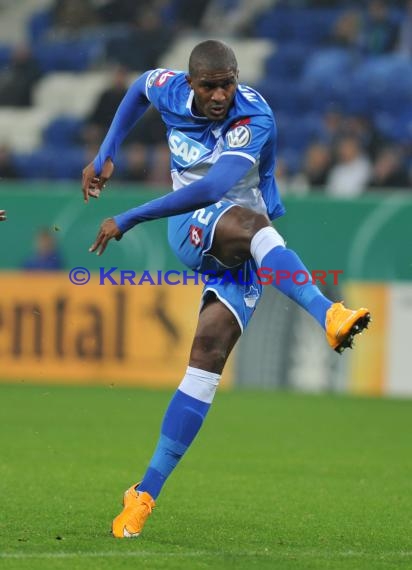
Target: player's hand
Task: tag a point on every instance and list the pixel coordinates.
(108, 230)
(93, 184)
(3, 215)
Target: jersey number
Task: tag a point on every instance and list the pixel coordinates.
(200, 216)
(205, 219)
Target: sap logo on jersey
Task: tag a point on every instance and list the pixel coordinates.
(239, 136)
(185, 150)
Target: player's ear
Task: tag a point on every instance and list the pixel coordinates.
(189, 80)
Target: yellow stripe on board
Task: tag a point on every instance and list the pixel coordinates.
(368, 362)
(54, 331)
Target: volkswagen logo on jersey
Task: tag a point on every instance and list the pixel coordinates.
(185, 151)
(239, 137)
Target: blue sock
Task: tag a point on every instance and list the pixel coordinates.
(182, 421)
(306, 295)
(288, 272)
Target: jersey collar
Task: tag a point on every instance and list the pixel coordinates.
(189, 105)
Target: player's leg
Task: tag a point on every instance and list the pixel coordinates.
(190, 236)
(241, 233)
(216, 334)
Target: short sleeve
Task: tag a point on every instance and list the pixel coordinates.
(156, 82)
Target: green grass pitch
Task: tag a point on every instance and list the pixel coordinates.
(274, 480)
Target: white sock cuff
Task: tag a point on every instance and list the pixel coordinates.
(263, 241)
(199, 384)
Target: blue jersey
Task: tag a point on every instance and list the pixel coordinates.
(197, 142)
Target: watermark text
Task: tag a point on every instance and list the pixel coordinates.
(264, 276)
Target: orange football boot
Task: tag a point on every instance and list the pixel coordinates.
(137, 507)
(343, 324)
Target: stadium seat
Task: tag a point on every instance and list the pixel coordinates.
(306, 26)
(297, 132)
(315, 26)
(292, 158)
(5, 55)
(32, 165)
(62, 131)
(327, 65)
(51, 163)
(396, 128)
(383, 70)
(68, 55)
(21, 129)
(276, 24)
(319, 98)
(71, 94)
(384, 83)
(38, 24)
(283, 95)
(287, 62)
(67, 165)
(392, 100)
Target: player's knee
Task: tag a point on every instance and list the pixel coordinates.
(249, 223)
(209, 353)
(264, 241)
(246, 224)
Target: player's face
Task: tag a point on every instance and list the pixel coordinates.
(213, 92)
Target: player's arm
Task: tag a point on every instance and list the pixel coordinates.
(223, 175)
(3, 215)
(132, 107)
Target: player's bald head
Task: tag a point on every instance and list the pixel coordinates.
(211, 55)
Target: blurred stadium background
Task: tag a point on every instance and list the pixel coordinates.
(338, 76)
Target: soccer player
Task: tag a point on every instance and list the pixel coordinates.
(222, 137)
(3, 215)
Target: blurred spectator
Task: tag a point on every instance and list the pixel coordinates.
(46, 255)
(189, 13)
(7, 167)
(3, 215)
(159, 174)
(335, 124)
(317, 164)
(379, 32)
(150, 130)
(362, 127)
(136, 169)
(405, 36)
(117, 11)
(70, 16)
(18, 80)
(388, 169)
(288, 182)
(332, 125)
(102, 115)
(282, 175)
(352, 171)
(346, 30)
(147, 40)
